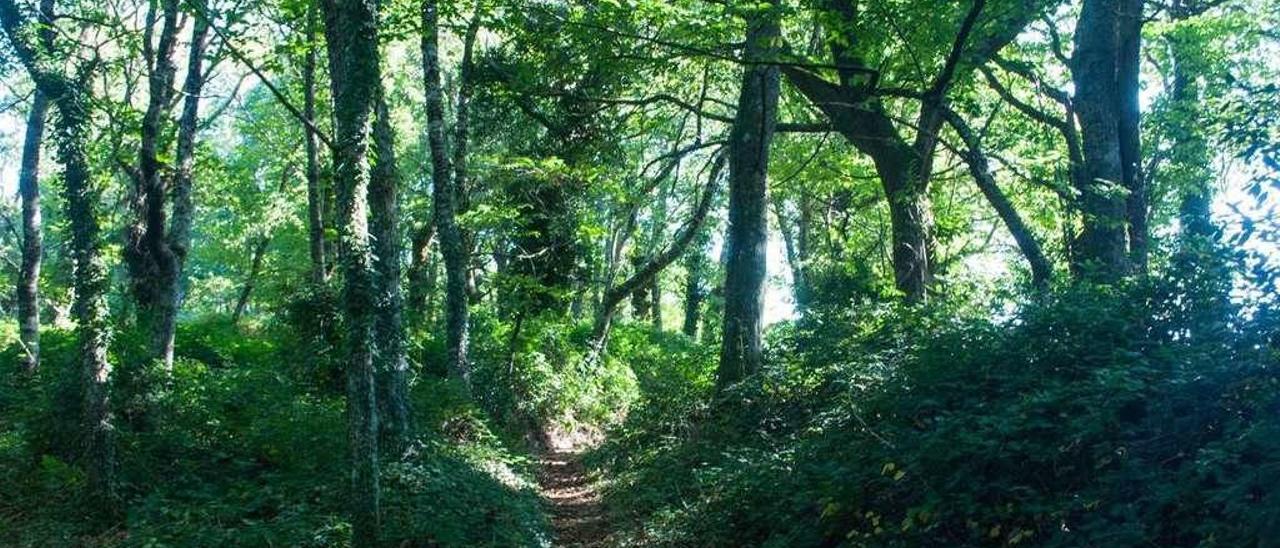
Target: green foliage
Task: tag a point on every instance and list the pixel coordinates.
(1092, 417)
(239, 448)
(540, 379)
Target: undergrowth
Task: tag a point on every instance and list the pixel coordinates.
(244, 444)
(1144, 415)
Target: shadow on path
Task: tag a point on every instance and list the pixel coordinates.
(577, 514)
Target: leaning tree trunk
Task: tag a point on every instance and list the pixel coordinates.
(32, 239)
(980, 169)
(444, 198)
(258, 254)
(392, 362)
(351, 27)
(753, 128)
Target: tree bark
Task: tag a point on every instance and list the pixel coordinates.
(181, 186)
(1102, 246)
(645, 272)
(251, 281)
(421, 280)
(752, 132)
(1128, 68)
(351, 28)
(32, 238)
(392, 359)
(89, 273)
(151, 263)
(444, 195)
(315, 194)
(695, 290)
(979, 168)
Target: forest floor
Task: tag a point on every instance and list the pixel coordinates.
(577, 512)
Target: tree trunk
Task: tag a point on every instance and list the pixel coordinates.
(421, 279)
(612, 295)
(640, 299)
(1101, 248)
(444, 193)
(1128, 68)
(659, 227)
(902, 172)
(392, 360)
(181, 187)
(794, 240)
(695, 290)
(979, 168)
(1189, 155)
(32, 238)
(351, 27)
(315, 194)
(151, 263)
(753, 128)
(251, 281)
(89, 274)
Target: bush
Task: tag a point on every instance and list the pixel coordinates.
(237, 450)
(1092, 417)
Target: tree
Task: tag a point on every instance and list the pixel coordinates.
(1104, 71)
(315, 194)
(392, 362)
(854, 105)
(351, 29)
(752, 132)
(70, 95)
(445, 192)
(156, 245)
(32, 240)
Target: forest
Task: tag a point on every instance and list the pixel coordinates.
(598, 273)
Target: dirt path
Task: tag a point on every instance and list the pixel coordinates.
(577, 514)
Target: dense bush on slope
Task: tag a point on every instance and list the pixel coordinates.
(237, 449)
(1112, 418)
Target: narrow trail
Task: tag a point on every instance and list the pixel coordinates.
(577, 513)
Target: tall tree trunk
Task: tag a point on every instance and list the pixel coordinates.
(315, 194)
(748, 237)
(392, 361)
(32, 238)
(1102, 246)
(1128, 68)
(421, 282)
(151, 263)
(1190, 155)
(351, 27)
(179, 242)
(89, 273)
(444, 193)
